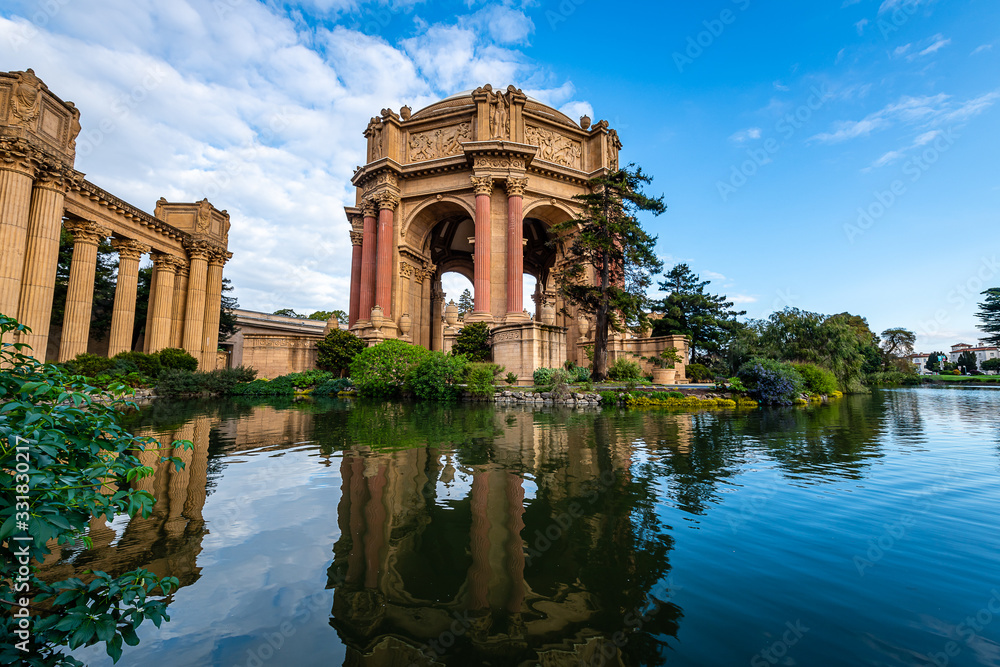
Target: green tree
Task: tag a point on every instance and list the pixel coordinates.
(989, 315)
(967, 361)
(287, 312)
(70, 461)
(992, 365)
(609, 257)
(708, 320)
(473, 342)
(227, 318)
(321, 315)
(933, 363)
(104, 286)
(337, 350)
(466, 304)
(897, 343)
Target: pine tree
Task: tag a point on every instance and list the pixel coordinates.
(706, 319)
(465, 304)
(989, 314)
(609, 257)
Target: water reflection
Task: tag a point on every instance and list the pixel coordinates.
(471, 535)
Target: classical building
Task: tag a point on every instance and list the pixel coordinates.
(42, 193)
(474, 184)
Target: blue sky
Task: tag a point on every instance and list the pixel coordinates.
(830, 156)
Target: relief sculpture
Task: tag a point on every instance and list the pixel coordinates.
(553, 147)
(442, 142)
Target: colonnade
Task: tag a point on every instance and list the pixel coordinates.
(185, 293)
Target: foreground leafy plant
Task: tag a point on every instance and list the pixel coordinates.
(65, 459)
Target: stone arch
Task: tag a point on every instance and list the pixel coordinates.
(418, 224)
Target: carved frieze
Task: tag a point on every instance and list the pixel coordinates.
(507, 335)
(492, 162)
(438, 143)
(554, 147)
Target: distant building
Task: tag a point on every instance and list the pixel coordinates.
(919, 362)
(982, 352)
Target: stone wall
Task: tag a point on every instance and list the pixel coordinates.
(279, 355)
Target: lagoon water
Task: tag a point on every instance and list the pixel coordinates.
(866, 532)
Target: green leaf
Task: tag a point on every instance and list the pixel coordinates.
(105, 628)
(114, 648)
(128, 634)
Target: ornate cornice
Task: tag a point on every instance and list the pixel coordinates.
(129, 249)
(387, 200)
(482, 185)
(516, 186)
(357, 237)
(86, 231)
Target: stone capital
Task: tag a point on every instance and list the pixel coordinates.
(369, 208)
(219, 257)
(17, 155)
(357, 237)
(129, 249)
(54, 178)
(86, 231)
(197, 248)
(482, 185)
(164, 262)
(406, 269)
(387, 200)
(355, 221)
(516, 186)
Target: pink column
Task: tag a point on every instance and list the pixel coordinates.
(479, 538)
(383, 271)
(515, 245)
(357, 238)
(367, 291)
(483, 186)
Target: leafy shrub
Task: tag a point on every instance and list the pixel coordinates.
(473, 341)
(436, 375)
(511, 379)
(771, 382)
(818, 380)
(89, 365)
(279, 386)
(332, 387)
(625, 370)
(481, 378)
(224, 381)
(542, 377)
(560, 383)
(308, 378)
(698, 373)
(381, 370)
(147, 364)
(576, 373)
(337, 350)
(172, 357)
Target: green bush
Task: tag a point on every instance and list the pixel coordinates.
(332, 387)
(381, 370)
(279, 386)
(473, 342)
(771, 382)
(698, 373)
(818, 380)
(337, 350)
(436, 375)
(308, 379)
(223, 382)
(147, 364)
(542, 377)
(177, 359)
(576, 373)
(481, 378)
(511, 379)
(89, 365)
(625, 370)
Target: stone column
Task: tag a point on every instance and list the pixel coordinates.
(357, 240)
(515, 247)
(123, 316)
(41, 258)
(483, 186)
(161, 300)
(16, 178)
(366, 298)
(194, 308)
(80, 294)
(387, 203)
(179, 302)
(213, 303)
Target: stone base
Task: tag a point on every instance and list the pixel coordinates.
(478, 317)
(622, 347)
(524, 347)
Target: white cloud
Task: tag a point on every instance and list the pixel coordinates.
(908, 6)
(780, 87)
(746, 135)
(860, 26)
(982, 49)
(248, 105)
(740, 299)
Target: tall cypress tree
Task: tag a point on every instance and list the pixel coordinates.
(609, 257)
(989, 314)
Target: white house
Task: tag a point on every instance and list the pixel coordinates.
(982, 352)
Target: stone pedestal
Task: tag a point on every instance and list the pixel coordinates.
(524, 347)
